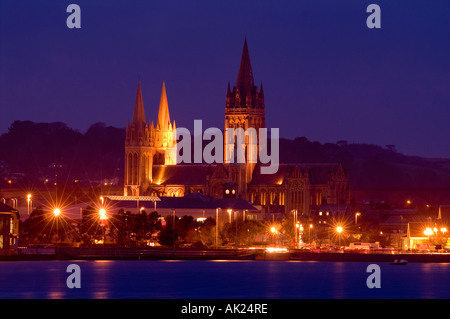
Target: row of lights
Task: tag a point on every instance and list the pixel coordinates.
(102, 213)
(428, 231)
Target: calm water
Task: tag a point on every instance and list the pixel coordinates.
(222, 279)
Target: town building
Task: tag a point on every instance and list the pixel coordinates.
(9, 229)
(151, 168)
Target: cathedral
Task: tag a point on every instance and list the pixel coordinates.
(151, 167)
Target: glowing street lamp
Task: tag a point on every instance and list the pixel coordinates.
(28, 203)
(103, 217)
(295, 228)
(356, 217)
(57, 213)
(428, 232)
(339, 230)
(273, 230)
(310, 227)
(102, 214)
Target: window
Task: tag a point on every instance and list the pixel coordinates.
(320, 213)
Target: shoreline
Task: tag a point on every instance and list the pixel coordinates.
(69, 253)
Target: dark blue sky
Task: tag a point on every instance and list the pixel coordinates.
(326, 76)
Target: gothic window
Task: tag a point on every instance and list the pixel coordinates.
(130, 169)
(135, 169)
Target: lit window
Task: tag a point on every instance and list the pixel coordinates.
(320, 213)
(328, 213)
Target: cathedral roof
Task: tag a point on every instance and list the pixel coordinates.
(318, 173)
(181, 174)
(193, 201)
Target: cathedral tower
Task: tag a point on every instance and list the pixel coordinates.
(147, 145)
(138, 149)
(244, 109)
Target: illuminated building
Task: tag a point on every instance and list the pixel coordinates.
(151, 170)
(9, 229)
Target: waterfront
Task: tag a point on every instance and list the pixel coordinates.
(131, 279)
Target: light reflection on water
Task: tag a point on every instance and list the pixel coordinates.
(221, 279)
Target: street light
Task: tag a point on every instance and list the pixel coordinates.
(295, 228)
(28, 203)
(356, 217)
(339, 230)
(57, 213)
(428, 232)
(273, 230)
(217, 226)
(102, 213)
(103, 216)
(310, 226)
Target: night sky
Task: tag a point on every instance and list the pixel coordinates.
(326, 76)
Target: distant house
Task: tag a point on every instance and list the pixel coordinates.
(416, 237)
(9, 229)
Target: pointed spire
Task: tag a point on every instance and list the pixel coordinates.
(163, 113)
(245, 76)
(261, 90)
(139, 113)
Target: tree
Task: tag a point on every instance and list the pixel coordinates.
(168, 236)
(242, 232)
(42, 227)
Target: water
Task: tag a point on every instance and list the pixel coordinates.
(222, 279)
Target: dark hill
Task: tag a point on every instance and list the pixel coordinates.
(29, 152)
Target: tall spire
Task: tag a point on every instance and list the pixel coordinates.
(245, 75)
(139, 113)
(163, 113)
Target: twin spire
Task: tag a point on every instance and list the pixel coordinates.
(163, 122)
(245, 84)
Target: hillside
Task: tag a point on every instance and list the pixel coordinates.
(32, 152)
